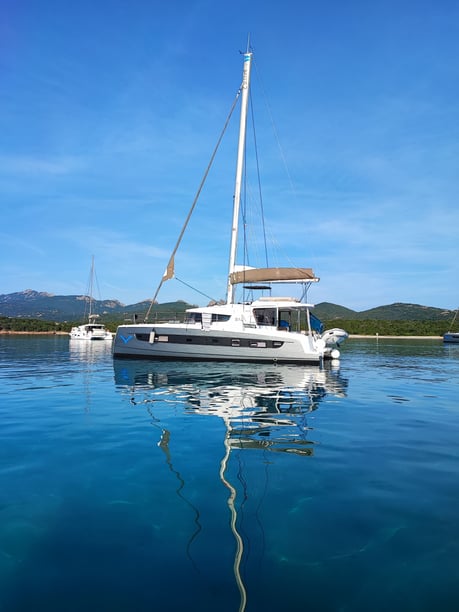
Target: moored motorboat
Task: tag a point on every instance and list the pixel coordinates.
(450, 336)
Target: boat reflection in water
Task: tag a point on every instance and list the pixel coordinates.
(88, 352)
(262, 407)
(87, 357)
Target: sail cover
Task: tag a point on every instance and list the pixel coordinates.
(272, 275)
(169, 271)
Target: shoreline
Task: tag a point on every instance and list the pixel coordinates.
(380, 337)
(6, 332)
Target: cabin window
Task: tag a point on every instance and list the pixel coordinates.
(265, 316)
(163, 338)
(216, 317)
(235, 342)
(285, 319)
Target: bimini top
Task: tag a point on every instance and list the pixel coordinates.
(273, 275)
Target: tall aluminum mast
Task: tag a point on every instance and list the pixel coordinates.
(239, 170)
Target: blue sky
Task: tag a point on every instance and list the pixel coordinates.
(110, 110)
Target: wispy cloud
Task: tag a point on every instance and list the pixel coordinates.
(104, 145)
(23, 166)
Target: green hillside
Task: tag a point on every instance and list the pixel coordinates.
(46, 311)
(43, 306)
(390, 312)
(327, 311)
(406, 312)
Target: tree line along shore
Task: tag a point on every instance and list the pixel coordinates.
(355, 328)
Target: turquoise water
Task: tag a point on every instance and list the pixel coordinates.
(161, 486)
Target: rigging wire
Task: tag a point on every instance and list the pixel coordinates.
(198, 193)
(260, 194)
(281, 154)
(194, 289)
(259, 181)
(276, 134)
(260, 219)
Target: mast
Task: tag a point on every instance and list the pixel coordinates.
(239, 171)
(91, 288)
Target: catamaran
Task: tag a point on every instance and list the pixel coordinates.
(267, 329)
(91, 330)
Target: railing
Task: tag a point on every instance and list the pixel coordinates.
(157, 317)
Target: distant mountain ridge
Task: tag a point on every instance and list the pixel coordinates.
(41, 305)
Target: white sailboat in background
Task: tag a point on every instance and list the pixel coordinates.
(91, 330)
(269, 329)
(452, 336)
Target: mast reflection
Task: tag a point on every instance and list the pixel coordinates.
(263, 407)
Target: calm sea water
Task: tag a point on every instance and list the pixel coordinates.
(166, 486)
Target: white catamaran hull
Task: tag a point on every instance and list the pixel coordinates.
(177, 341)
(91, 333)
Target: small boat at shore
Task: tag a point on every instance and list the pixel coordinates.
(452, 336)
